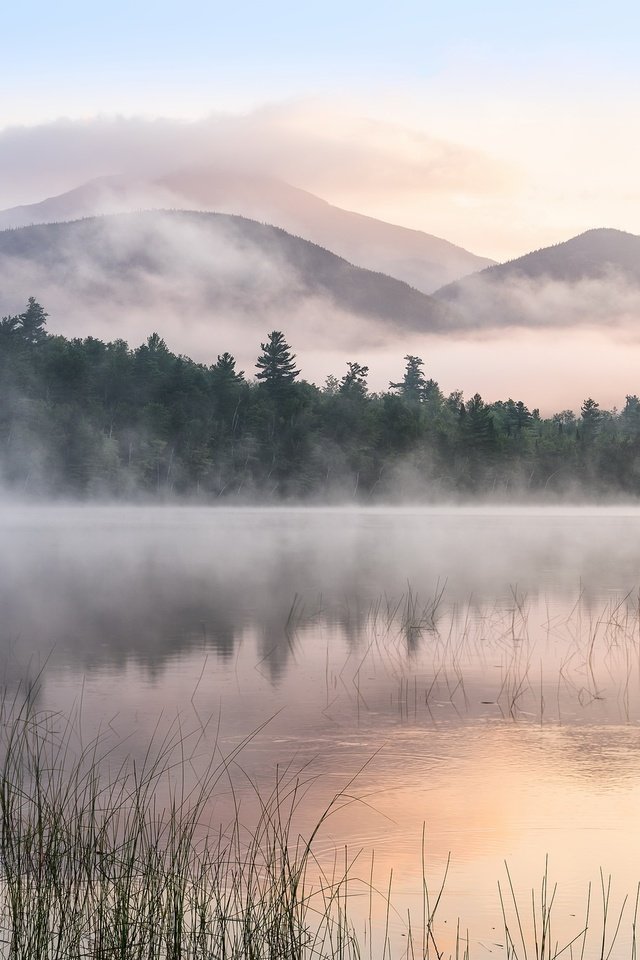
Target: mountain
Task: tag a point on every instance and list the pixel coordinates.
(591, 255)
(423, 261)
(198, 278)
(591, 278)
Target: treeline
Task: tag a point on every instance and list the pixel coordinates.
(86, 418)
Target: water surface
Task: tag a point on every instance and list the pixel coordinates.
(468, 675)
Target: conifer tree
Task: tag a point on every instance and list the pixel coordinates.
(354, 382)
(590, 416)
(276, 364)
(224, 371)
(412, 385)
(33, 321)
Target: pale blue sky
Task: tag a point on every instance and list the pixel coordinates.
(56, 56)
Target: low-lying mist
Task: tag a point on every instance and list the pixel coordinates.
(90, 586)
(204, 285)
(610, 300)
(208, 284)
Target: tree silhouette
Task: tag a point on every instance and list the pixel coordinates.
(354, 382)
(32, 322)
(276, 365)
(413, 384)
(224, 372)
(590, 415)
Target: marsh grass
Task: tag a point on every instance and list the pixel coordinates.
(515, 658)
(119, 859)
(93, 865)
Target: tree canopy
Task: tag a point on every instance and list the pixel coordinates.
(80, 417)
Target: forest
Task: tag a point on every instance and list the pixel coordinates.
(80, 418)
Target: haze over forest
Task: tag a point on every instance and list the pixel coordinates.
(147, 256)
(86, 418)
(488, 235)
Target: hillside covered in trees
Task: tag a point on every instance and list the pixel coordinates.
(84, 418)
(158, 265)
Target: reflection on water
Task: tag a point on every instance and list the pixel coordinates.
(479, 671)
(108, 584)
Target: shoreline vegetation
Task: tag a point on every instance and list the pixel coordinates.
(102, 858)
(84, 419)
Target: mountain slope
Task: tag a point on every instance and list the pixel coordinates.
(418, 258)
(592, 278)
(590, 255)
(193, 275)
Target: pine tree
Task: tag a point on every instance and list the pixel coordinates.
(276, 365)
(354, 382)
(412, 385)
(590, 415)
(224, 373)
(479, 429)
(630, 416)
(33, 321)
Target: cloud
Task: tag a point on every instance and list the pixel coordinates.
(207, 291)
(310, 144)
(610, 300)
(205, 285)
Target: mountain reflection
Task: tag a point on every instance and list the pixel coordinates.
(100, 586)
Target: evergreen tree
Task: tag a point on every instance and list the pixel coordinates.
(413, 385)
(432, 394)
(8, 326)
(630, 416)
(478, 425)
(224, 373)
(590, 414)
(455, 402)
(155, 345)
(518, 417)
(33, 321)
(331, 386)
(354, 382)
(276, 365)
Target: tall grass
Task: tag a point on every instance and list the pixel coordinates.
(93, 865)
(114, 860)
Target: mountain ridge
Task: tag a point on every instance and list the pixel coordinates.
(591, 279)
(201, 269)
(420, 259)
(582, 251)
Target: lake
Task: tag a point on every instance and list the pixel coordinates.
(465, 683)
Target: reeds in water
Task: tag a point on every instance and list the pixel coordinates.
(109, 860)
(93, 865)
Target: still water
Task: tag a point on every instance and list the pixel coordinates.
(465, 683)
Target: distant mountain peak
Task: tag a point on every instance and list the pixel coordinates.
(591, 278)
(420, 259)
(588, 254)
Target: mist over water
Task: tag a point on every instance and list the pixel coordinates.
(108, 583)
(476, 670)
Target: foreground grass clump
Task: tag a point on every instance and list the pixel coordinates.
(108, 860)
(94, 865)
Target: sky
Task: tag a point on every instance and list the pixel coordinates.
(502, 127)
